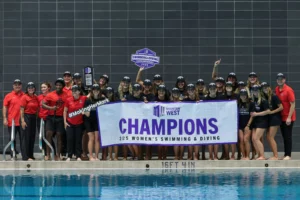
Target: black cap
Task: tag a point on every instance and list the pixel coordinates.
(126, 79)
(243, 92)
(96, 87)
(147, 82)
(76, 75)
(75, 88)
(157, 77)
(280, 76)
(60, 80)
(228, 83)
(175, 90)
(255, 88)
(136, 87)
(67, 73)
(220, 79)
(241, 83)
(161, 87)
(252, 74)
(180, 79)
(232, 74)
(109, 89)
(212, 85)
(191, 86)
(200, 81)
(264, 84)
(17, 81)
(30, 84)
(105, 76)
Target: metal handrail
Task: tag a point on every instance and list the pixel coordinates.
(11, 142)
(42, 137)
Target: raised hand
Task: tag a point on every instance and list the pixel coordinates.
(217, 62)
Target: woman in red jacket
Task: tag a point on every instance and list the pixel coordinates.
(28, 110)
(74, 124)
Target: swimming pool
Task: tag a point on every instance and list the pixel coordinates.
(151, 184)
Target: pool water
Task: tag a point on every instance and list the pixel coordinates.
(151, 184)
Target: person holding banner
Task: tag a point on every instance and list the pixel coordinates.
(74, 125)
(178, 150)
(11, 110)
(192, 96)
(259, 112)
(136, 96)
(125, 88)
(157, 80)
(230, 95)
(91, 122)
(54, 102)
(212, 96)
(181, 85)
(245, 121)
(201, 89)
(110, 94)
(162, 97)
(274, 117)
(28, 110)
(148, 96)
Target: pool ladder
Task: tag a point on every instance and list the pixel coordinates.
(11, 142)
(41, 139)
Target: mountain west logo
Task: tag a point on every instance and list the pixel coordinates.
(160, 111)
(145, 58)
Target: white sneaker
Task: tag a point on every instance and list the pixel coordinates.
(78, 159)
(68, 159)
(287, 158)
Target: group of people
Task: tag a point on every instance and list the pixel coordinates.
(261, 110)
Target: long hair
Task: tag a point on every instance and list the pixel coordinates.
(196, 95)
(91, 96)
(249, 83)
(204, 90)
(259, 97)
(247, 102)
(154, 87)
(269, 95)
(120, 89)
(237, 91)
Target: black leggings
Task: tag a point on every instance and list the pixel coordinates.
(28, 136)
(286, 132)
(74, 140)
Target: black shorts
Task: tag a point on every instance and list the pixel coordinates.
(90, 125)
(274, 120)
(55, 124)
(260, 125)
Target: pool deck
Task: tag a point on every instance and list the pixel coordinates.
(39, 164)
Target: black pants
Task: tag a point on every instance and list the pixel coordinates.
(28, 136)
(286, 132)
(38, 124)
(17, 131)
(74, 140)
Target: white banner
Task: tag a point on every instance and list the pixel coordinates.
(168, 123)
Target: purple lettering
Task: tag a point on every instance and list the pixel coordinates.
(122, 121)
(171, 124)
(201, 127)
(214, 127)
(132, 125)
(192, 126)
(158, 128)
(145, 127)
(180, 127)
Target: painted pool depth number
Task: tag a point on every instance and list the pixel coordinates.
(178, 165)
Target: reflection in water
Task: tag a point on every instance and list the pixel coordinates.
(153, 184)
